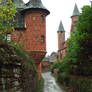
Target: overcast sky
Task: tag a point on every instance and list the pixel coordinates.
(59, 10)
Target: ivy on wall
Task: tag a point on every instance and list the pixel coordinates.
(17, 71)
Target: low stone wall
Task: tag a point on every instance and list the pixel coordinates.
(17, 72)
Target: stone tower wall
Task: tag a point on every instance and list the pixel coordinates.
(61, 40)
(33, 37)
(74, 21)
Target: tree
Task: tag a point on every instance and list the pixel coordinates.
(7, 14)
(79, 50)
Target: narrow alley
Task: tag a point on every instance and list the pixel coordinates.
(50, 84)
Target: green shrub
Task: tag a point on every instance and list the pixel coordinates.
(81, 85)
(55, 65)
(78, 59)
(40, 85)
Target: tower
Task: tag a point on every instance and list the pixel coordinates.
(74, 17)
(31, 29)
(61, 40)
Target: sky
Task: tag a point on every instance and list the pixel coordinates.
(60, 10)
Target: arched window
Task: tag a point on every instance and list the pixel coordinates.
(42, 39)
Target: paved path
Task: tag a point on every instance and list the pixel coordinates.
(50, 84)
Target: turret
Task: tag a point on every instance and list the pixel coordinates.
(30, 29)
(36, 5)
(74, 17)
(61, 39)
(34, 34)
(61, 36)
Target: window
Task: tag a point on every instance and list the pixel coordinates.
(42, 39)
(42, 18)
(8, 37)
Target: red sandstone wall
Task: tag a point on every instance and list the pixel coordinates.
(35, 29)
(31, 37)
(61, 40)
(74, 21)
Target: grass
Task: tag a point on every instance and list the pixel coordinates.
(40, 85)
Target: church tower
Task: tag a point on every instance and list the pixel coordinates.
(31, 29)
(74, 17)
(61, 39)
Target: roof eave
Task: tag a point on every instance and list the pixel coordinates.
(20, 28)
(61, 31)
(74, 15)
(36, 9)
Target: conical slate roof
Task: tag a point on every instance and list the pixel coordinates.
(20, 23)
(36, 5)
(19, 4)
(61, 27)
(76, 11)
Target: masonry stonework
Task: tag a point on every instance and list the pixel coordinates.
(74, 21)
(33, 32)
(31, 37)
(62, 45)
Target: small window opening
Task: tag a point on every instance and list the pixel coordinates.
(8, 37)
(42, 39)
(42, 18)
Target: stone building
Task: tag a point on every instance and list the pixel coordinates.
(48, 61)
(61, 33)
(30, 29)
(61, 41)
(53, 57)
(45, 64)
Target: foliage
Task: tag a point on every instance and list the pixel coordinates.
(78, 59)
(13, 57)
(21, 53)
(7, 14)
(79, 51)
(40, 85)
(55, 65)
(81, 85)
